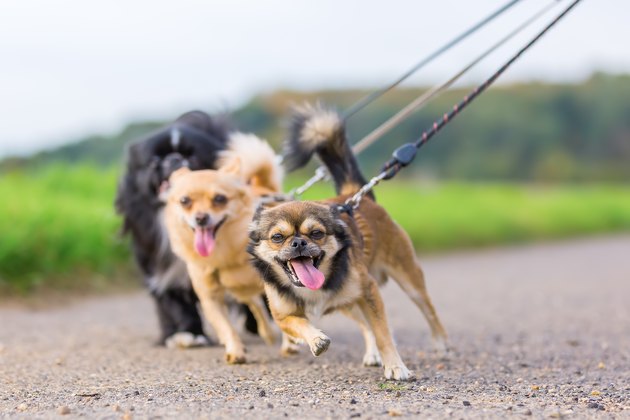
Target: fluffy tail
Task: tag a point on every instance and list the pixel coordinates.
(315, 129)
(255, 160)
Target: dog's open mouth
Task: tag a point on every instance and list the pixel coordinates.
(303, 272)
(205, 238)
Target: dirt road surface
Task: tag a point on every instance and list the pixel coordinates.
(540, 331)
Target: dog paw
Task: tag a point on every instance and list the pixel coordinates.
(441, 346)
(235, 358)
(289, 346)
(186, 340)
(319, 345)
(398, 373)
(235, 353)
(372, 359)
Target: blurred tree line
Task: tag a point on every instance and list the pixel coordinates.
(523, 132)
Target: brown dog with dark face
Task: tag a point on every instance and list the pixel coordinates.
(316, 259)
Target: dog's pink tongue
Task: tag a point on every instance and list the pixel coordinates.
(310, 276)
(204, 241)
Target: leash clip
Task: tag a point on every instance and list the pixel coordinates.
(405, 154)
(401, 157)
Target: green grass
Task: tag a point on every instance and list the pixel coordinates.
(460, 215)
(58, 228)
(392, 386)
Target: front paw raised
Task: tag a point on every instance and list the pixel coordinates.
(398, 373)
(319, 345)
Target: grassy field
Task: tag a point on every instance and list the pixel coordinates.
(445, 216)
(58, 228)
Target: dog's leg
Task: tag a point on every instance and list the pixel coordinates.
(372, 356)
(168, 325)
(262, 319)
(291, 320)
(215, 311)
(179, 318)
(211, 297)
(371, 304)
(300, 327)
(403, 267)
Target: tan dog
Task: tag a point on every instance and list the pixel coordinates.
(316, 259)
(207, 214)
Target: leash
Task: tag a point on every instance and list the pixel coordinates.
(406, 153)
(420, 102)
(366, 100)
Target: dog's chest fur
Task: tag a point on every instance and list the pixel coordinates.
(317, 303)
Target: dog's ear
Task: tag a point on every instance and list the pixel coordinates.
(166, 187)
(232, 166)
(179, 173)
(163, 195)
(266, 204)
(339, 226)
(254, 233)
(138, 157)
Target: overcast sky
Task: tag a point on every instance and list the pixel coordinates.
(74, 67)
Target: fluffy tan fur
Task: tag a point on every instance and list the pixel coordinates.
(226, 269)
(318, 129)
(255, 162)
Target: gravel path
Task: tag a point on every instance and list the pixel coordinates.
(538, 331)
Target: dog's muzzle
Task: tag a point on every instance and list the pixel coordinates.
(172, 162)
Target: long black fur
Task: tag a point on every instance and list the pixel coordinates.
(201, 139)
(341, 260)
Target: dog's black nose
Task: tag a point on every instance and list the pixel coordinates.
(298, 243)
(202, 219)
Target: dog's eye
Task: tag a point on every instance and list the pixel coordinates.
(277, 238)
(219, 199)
(317, 234)
(185, 201)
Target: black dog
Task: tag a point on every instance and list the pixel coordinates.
(194, 140)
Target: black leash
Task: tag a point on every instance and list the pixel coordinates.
(321, 173)
(406, 153)
(366, 100)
